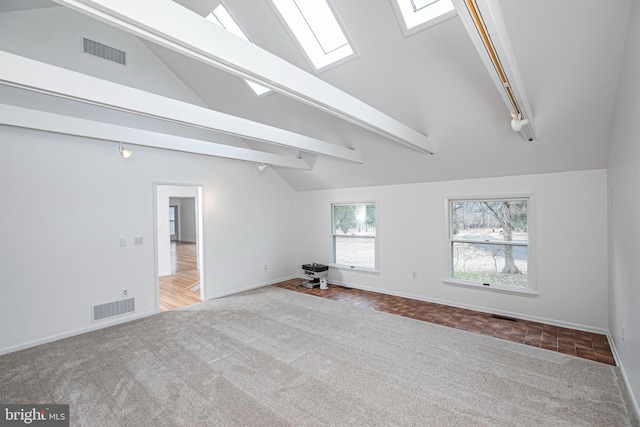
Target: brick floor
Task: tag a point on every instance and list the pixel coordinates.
(568, 341)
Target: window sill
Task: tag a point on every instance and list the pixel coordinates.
(494, 288)
(358, 269)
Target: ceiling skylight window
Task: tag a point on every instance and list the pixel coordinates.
(222, 18)
(416, 15)
(317, 31)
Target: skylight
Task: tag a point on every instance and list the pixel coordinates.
(222, 18)
(420, 14)
(316, 29)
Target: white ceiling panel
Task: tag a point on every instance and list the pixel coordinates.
(569, 55)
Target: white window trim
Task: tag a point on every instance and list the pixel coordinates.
(332, 264)
(430, 23)
(531, 289)
(318, 70)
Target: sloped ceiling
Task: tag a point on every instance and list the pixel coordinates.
(569, 54)
(10, 5)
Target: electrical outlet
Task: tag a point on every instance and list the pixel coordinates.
(624, 329)
(125, 293)
(123, 242)
(138, 240)
(414, 275)
(266, 266)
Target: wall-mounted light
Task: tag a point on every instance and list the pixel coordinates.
(262, 167)
(125, 152)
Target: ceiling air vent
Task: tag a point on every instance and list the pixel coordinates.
(105, 52)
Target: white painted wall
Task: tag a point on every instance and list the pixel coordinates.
(571, 244)
(54, 36)
(186, 220)
(624, 213)
(60, 252)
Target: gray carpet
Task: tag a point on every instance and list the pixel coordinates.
(276, 357)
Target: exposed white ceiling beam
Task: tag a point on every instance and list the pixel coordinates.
(485, 24)
(50, 122)
(171, 25)
(36, 76)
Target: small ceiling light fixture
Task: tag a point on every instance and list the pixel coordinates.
(517, 122)
(125, 152)
(262, 167)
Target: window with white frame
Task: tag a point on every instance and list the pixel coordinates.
(489, 243)
(173, 215)
(354, 235)
(315, 27)
(416, 15)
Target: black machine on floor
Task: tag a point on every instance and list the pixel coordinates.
(315, 272)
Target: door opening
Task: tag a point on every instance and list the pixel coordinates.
(179, 245)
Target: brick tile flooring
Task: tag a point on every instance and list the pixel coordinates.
(563, 340)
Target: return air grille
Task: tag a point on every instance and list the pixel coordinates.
(103, 51)
(113, 308)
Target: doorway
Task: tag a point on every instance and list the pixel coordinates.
(179, 246)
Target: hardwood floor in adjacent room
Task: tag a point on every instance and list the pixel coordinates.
(175, 290)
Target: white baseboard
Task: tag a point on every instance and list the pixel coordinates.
(612, 345)
(94, 327)
(545, 320)
(121, 319)
(627, 384)
(248, 288)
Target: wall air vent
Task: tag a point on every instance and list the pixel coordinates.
(105, 52)
(113, 308)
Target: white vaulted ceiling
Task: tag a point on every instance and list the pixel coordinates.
(433, 82)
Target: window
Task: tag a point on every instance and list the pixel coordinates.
(488, 243)
(416, 15)
(354, 235)
(317, 31)
(222, 18)
(173, 214)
